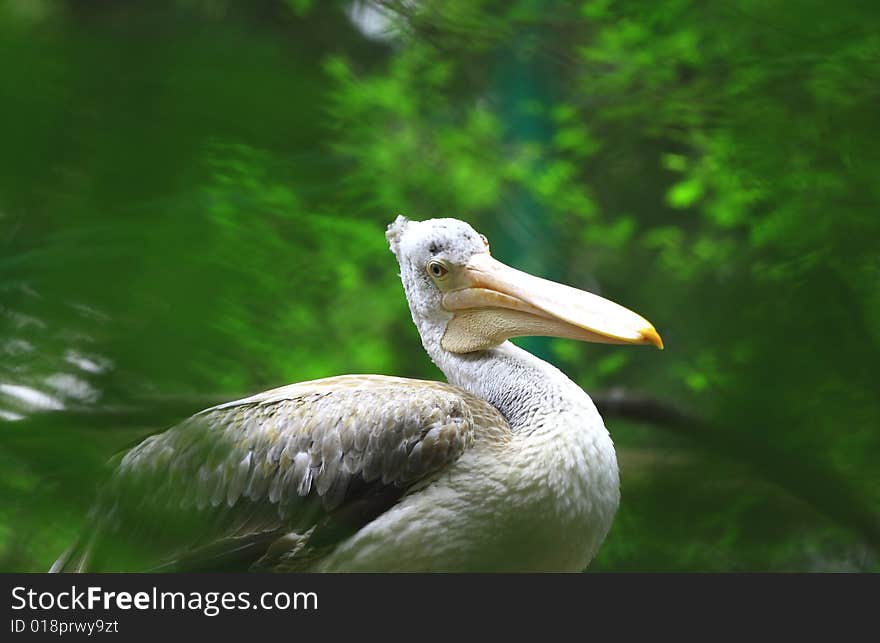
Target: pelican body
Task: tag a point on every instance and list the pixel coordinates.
(507, 467)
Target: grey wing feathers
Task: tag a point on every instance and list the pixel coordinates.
(281, 462)
(314, 438)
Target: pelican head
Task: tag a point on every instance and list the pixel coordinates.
(454, 285)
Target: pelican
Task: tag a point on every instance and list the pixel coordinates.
(507, 467)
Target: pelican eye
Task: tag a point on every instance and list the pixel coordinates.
(485, 240)
(437, 269)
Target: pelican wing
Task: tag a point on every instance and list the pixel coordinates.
(273, 480)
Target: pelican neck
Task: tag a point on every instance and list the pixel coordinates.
(520, 385)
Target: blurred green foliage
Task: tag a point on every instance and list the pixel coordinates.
(193, 195)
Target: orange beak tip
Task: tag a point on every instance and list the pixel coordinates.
(651, 336)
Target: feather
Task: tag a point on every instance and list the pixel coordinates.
(249, 465)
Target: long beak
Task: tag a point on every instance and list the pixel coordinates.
(492, 302)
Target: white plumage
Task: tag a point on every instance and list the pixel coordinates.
(507, 467)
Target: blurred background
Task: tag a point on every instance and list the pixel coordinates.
(193, 195)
